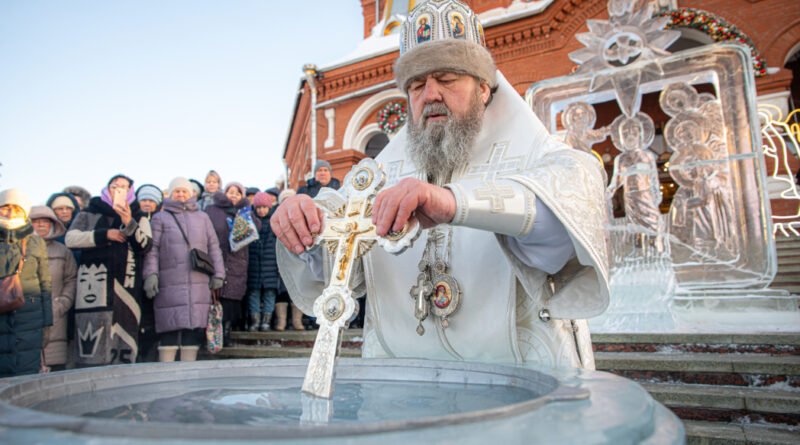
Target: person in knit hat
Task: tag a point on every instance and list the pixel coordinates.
(506, 206)
(63, 277)
(322, 178)
(24, 254)
(262, 267)
(180, 295)
(149, 197)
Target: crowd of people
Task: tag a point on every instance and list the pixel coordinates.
(130, 275)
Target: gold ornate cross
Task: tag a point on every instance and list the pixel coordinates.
(348, 233)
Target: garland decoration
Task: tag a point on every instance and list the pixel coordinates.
(715, 27)
(391, 117)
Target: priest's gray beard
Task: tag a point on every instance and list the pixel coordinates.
(441, 148)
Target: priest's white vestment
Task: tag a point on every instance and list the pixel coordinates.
(503, 315)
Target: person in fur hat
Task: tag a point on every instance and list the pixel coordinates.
(514, 256)
(113, 236)
(63, 278)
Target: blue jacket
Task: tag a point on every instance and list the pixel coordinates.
(262, 269)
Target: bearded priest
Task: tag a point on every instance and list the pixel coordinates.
(513, 258)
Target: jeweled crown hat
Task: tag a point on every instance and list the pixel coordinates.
(443, 35)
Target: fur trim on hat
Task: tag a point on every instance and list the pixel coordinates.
(454, 56)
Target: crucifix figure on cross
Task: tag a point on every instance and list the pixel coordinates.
(348, 233)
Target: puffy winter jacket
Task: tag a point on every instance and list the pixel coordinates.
(183, 297)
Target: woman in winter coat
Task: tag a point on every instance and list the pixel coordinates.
(182, 295)
(21, 330)
(226, 205)
(113, 237)
(63, 276)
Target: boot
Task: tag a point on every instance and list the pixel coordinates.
(167, 353)
(254, 320)
(189, 353)
(226, 334)
(265, 319)
(280, 316)
(297, 318)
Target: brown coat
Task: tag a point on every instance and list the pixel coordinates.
(63, 274)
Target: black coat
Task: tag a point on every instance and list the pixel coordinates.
(262, 269)
(313, 186)
(21, 331)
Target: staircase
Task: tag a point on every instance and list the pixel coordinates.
(727, 388)
(788, 275)
(737, 389)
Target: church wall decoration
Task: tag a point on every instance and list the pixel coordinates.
(392, 117)
(719, 29)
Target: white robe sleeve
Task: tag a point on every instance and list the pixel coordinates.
(547, 246)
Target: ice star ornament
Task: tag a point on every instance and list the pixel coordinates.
(628, 36)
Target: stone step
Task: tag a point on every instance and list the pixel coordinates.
(787, 243)
(745, 370)
(772, 343)
(728, 404)
(700, 362)
(789, 268)
(718, 433)
(788, 254)
(785, 279)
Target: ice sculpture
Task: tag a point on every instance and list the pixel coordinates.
(703, 259)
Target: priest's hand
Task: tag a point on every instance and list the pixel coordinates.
(411, 197)
(294, 222)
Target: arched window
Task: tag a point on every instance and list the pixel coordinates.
(376, 144)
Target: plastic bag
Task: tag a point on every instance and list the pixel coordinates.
(214, 328)
(242, 230)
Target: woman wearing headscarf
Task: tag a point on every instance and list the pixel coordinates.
(227, 204)
(63, 276)
(181, 295)
(25, 254)
(113, 236)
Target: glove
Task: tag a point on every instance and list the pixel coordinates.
(151, 285)
(216, 283)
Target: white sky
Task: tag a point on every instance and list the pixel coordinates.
(156, 89)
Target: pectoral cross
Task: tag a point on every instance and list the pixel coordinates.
(348, 233)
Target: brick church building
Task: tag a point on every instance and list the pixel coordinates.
(337, 110)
